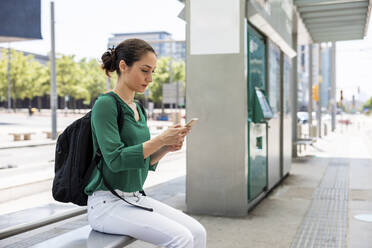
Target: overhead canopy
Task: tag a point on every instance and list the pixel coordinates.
(335, 20)
(20, 20)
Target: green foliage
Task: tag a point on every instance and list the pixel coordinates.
(162, 76)
(28, 77)
(69, 78)
(93, 79)
(37, 80)
(368, 104)
(3, 75)
(79, 80)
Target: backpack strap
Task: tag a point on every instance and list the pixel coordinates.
(142, 109)
(107, 184)
(98, 156)
(120, 117)
(144, 113)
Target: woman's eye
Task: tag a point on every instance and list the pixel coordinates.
(145, 71)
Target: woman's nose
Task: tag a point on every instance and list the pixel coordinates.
(149, 78)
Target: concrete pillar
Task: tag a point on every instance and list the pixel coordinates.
(294, 90)
(319, 77)
(310, 106)
(216, 93)
(333, 85)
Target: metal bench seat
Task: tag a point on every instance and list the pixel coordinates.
(85, 237)
(304, 141)
(17, 136)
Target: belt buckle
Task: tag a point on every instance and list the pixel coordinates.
(138, 195)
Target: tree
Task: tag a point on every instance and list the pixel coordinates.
(368, 104)
(20, 73)
(70, 79)
(162, 76)
(4, 75)
(94, 80)
(37, 80)
(82, 80)
(28, 77)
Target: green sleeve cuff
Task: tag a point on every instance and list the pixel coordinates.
(153, 167)
(131, 157)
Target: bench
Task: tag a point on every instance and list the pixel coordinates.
(49, 134)
(85, 237)
(17, 136)
(303, 142)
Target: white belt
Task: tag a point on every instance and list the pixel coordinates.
(121, 193)
(127, 194)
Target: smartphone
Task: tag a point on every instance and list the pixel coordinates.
(192, 122)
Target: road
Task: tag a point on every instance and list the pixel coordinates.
(29, 185)
(26, 157)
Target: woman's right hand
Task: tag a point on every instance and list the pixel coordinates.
(174, 135)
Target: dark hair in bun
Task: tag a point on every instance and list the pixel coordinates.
(130, 51)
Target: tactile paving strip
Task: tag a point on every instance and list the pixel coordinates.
(325, 223)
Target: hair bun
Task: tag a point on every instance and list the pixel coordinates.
(111, 50)
(130, 51)
(108, 61)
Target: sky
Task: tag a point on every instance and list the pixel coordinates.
(354, 67)
(83, 28)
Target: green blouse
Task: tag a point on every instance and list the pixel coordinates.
(123, 161)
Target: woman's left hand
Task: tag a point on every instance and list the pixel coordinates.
(178, 146)
(175, 147)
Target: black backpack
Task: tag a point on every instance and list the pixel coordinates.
(74, 165)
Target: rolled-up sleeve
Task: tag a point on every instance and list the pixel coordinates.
(116, 156)
(153, 167)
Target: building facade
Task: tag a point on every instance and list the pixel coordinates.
(42, 59)
(161, 41)
(325, 85)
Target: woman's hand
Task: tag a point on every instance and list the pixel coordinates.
(173, 148)
(174, 135)
(170, 140)
(178, 146)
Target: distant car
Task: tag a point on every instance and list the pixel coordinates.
(345, 122)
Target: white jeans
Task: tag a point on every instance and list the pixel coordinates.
(165, 226)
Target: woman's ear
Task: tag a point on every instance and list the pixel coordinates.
(122, 66)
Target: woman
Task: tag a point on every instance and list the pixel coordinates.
(128, 156)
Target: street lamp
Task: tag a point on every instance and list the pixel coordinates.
(9, 81)
(53, 88)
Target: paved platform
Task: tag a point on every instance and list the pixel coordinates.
(315, 206)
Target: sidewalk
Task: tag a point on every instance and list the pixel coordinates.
(308, 209)
(315, 206)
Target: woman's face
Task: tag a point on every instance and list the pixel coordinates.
(139, 75)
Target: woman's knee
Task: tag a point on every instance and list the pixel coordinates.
(183, 240)
(199, 233)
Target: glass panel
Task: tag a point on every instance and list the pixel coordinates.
(257, 67)
(286, 83)
(257, 180)
(274, 77)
